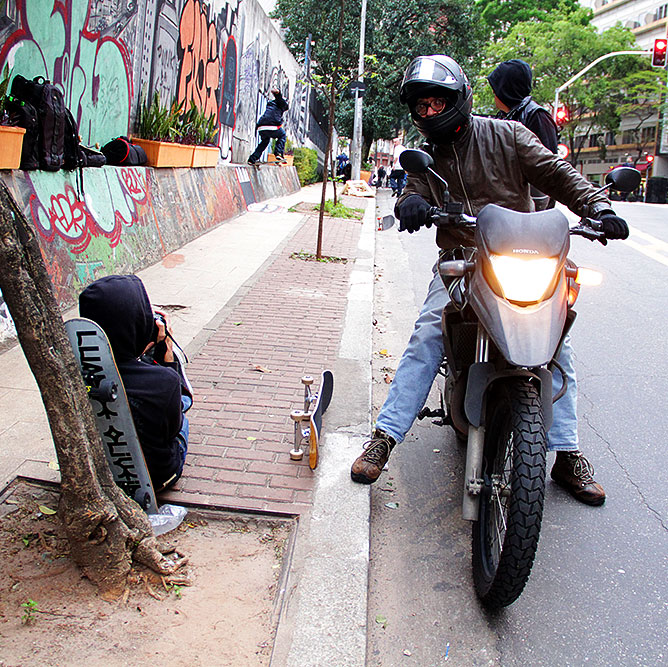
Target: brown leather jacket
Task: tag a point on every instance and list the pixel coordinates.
(494, 162)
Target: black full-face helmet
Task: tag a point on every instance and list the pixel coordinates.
(438, 76)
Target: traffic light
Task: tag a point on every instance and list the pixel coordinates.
(659, 52)
(562, 116)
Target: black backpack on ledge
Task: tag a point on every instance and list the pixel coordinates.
(51, 141)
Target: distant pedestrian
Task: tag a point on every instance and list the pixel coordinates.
(270, 126)
(380, 179)
(397, 175)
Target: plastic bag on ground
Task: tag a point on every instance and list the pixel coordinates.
(167, 518)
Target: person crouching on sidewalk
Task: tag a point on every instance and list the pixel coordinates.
(158, 391)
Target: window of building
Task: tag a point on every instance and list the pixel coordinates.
(661, 12)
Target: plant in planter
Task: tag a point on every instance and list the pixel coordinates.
(160, 134)
(201, 130)
(11, 138)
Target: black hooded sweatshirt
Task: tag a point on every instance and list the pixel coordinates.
(511, 82)
(120, 305)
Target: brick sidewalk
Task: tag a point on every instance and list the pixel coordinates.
(289, 323)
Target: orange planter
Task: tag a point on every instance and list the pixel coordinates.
(365, 176)
(11, 143)
(165, 153)
(205, 156)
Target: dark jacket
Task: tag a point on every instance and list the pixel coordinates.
(494, 162)
(120, 305)
(273, 114)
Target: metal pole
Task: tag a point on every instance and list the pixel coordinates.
(356, 144)
(587, 68)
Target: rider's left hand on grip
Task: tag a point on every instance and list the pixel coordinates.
(413, 214)
(614, 227)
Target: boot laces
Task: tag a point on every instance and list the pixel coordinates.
(377, 451)
(582, 468)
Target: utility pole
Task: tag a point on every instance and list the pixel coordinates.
(356, 144)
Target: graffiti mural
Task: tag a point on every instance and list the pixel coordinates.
(80, 50)
(62, 213)
(7, 330)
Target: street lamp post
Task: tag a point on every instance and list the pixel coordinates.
(587, 68)
(356, 144)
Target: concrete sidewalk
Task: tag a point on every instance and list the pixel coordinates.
(253, 319)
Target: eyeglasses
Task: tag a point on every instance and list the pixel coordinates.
(437, 104)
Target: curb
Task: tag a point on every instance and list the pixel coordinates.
(326, 622)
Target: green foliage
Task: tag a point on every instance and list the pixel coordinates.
(396, 32)
(4, 85)
(30, 608)
(157, 122)
(339, 210)
(306, 163)
(499, 16)
(557, 48)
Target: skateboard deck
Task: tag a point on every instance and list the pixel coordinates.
(308, 423)
(112, 411)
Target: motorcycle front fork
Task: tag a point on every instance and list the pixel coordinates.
(473, 481)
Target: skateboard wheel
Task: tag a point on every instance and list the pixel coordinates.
(296, 454)
(297, 415)
(307, 380)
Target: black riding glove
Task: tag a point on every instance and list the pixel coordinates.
(614, 227)
(413, 214)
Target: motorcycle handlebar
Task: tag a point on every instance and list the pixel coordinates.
(588, 227)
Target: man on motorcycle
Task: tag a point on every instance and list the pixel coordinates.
(484, 161)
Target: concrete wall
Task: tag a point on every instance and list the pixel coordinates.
(129, 217)
(222, 55)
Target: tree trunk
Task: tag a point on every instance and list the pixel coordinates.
(106, 529)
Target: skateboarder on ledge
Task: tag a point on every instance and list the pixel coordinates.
(270, 127)
(158, 393)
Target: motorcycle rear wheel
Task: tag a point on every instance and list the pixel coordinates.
(505, 536)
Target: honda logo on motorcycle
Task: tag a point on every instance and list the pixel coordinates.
(526, 251)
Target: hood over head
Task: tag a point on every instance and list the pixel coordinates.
(511, 81)
(120, 305)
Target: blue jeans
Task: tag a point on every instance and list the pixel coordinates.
(181, 442)
(265, 137)
(398, 184)
(420, 363)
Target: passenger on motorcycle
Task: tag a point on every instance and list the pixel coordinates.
(484, 161)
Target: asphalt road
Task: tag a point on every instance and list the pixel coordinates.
(598, 593)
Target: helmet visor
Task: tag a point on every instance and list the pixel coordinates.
(429, 70)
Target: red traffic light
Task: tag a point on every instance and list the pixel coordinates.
(659, 52)
(561, 116)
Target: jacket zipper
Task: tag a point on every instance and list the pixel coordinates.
(461, 181)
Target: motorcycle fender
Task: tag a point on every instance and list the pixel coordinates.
(482, 374)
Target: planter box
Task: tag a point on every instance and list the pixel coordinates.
(365, 176)
(165, 153)
(290, 159)
(11, 143)
(205, 156)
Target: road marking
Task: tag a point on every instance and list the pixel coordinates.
(652, 247)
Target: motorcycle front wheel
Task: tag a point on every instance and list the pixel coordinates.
(505, 536)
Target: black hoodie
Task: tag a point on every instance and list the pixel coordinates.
(120, 305)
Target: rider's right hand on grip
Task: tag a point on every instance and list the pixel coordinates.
(413, 214)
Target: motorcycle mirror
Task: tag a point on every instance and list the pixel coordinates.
(415, 161)
(623, 179)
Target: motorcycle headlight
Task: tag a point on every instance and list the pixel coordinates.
(523, 279)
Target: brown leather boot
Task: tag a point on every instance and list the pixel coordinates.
(573, 472)
(367, 466)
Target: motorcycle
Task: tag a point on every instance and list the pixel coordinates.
(512, 298)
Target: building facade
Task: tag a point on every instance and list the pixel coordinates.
(648, 20)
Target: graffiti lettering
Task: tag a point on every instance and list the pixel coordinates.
(200, 65)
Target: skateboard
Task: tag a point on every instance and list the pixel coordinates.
(112, 411)
(308, 422)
